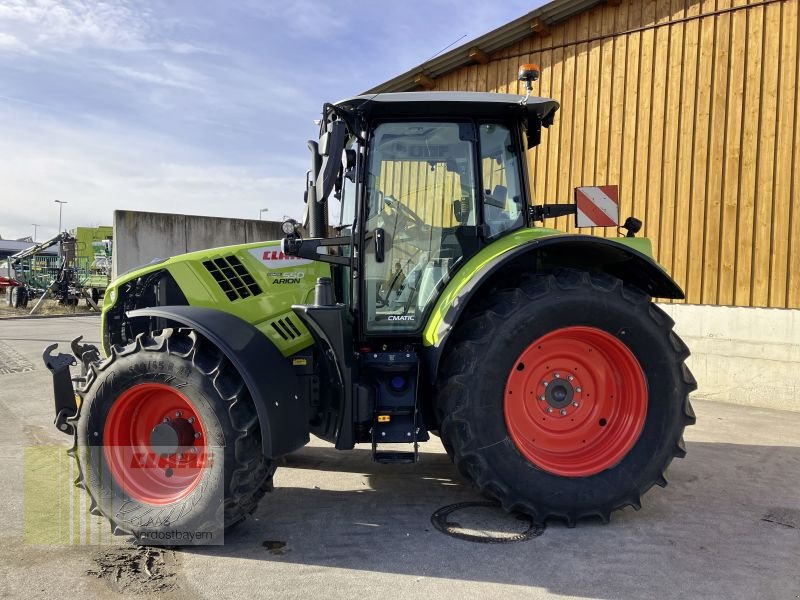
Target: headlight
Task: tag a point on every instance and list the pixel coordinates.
(289, 227)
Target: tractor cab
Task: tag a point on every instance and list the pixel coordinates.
(425, 181)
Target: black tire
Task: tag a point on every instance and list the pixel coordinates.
(228, 490)
(485, 348)
(19, 297)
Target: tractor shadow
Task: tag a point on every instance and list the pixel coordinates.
(729, 522)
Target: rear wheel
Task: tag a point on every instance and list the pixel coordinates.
(566, 396)
(168, 440)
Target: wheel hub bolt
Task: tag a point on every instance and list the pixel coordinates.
(197, 435)
(549, 409)
(545, 383)
(578, 390)
(541, 397)
(575, 404)
(563, 412)
(191, 419)
(556, 375)
(178, 414)
(570, 377)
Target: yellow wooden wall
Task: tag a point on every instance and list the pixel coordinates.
(692, 108)
(427, 190)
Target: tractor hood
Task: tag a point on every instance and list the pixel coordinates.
(256, 282)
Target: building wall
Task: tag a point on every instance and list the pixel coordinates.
(692, 108)
(141, 237)
(748, 356)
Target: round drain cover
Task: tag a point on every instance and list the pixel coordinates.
(484, 522)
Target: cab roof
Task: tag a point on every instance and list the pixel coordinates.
(453, 104)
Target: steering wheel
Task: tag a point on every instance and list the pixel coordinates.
(413, 220)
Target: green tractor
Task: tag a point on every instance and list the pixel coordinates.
(436, 305)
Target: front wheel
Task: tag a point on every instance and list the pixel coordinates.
(566, 397)
(168, 441)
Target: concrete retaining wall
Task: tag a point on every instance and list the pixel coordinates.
(141, 237)
(747, 356)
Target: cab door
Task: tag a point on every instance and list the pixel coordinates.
(420, 222)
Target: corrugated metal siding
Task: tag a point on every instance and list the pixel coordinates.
(692, 108)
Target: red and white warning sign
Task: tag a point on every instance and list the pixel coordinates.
(598, 206)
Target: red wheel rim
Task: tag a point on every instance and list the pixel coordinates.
(575, 401)
(147, 473)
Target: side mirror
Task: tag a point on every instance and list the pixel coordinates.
(331, 159)
(313, 173)
(597, 206)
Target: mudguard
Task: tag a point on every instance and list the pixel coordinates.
(267, 374)
(616, 257)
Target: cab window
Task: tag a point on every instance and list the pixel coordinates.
(502, 194)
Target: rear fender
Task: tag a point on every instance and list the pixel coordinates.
(616, 257)
(268, 375)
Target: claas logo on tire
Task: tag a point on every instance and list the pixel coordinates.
(152, 460)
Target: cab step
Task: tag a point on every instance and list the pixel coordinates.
(396, 418)
(395, 458)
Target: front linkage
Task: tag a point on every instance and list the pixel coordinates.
(67, 399)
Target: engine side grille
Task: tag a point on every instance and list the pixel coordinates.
(232, 277)
(286, 328)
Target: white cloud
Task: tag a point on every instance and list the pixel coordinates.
(98, 171)
(308, 19)
(163, 74)
(187, 48)
(70, 24)
(11, 43)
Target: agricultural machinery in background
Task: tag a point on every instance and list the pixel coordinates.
(67, 277)
(441, 306)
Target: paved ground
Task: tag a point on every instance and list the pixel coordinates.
(339, 526)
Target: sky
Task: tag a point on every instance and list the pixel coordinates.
(192, 107)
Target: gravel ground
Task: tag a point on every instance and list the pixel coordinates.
(48, 308)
